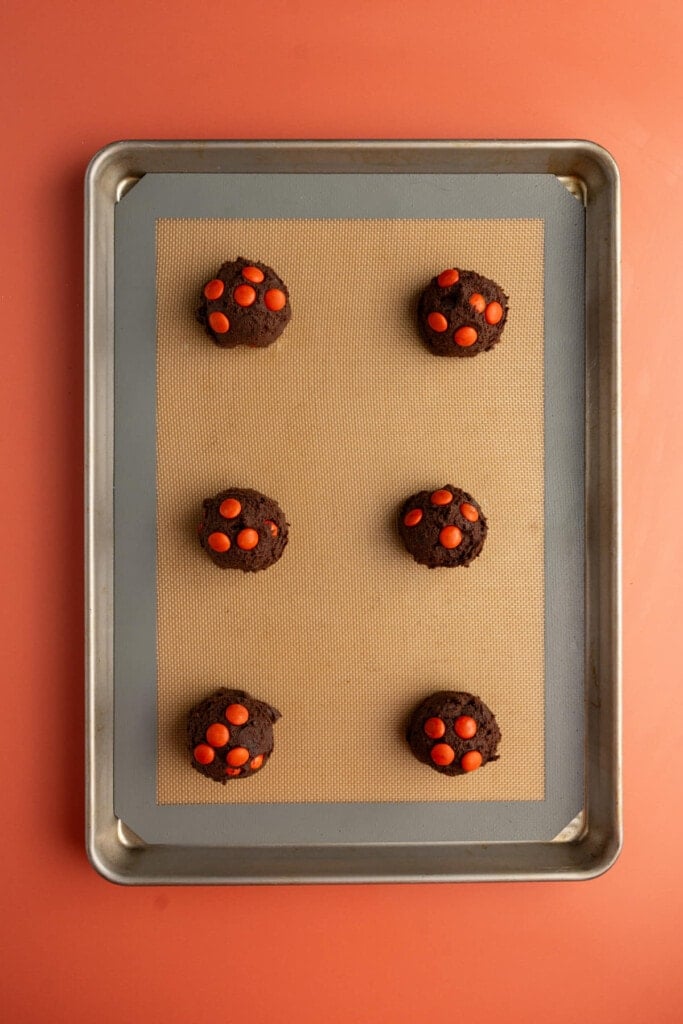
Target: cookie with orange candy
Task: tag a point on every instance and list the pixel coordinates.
(246, 303)
(230, 735)
(453, 732)
(243, 529)
(442, 528)
(461, 313)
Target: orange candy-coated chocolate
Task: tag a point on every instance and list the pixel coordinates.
(450, 537)
(442, 754)
(230, 508)
(214, 289)
(233, 771)
(256, 763)
(469, 512)
(447, 278)
(441, 497)
(203, 754)
(272, 527)
(237, 756)
(413, 517)
(217, 735)
(252, 274)
(470, 761)
(219, 323)
(244, 295)
(236, 714)
(247, 539)
(437, 322)
(434, 728)
(494, 313)
(274, 299)
(219, 542)
(465, 336)
(477, 302)
(465, 727)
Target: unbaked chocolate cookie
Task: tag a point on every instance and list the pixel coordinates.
(454, 733)
(230, 735)
(461, 313)
(243, 529)
(442, 528)
(246, 303)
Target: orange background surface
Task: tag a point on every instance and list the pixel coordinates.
(77, 75)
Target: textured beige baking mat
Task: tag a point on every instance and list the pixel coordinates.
(340, 420)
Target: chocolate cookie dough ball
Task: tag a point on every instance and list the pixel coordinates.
(442, 528)
(454, 733)
(230, 735)
(461, 313)
(243, 529)
(246, 303)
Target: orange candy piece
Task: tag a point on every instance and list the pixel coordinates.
(477, 302)
(230, 508)
(450, 537)
(493, 313)
(465, 727)
(465, 336)
(434, 728)
(272, 527)
(441, 497)
(257, 762)
(274, 299)
(236, 714)
(470, 761)
(442, 754)
(448, 277)
(214, 289)
(413, 517)
(233, 771)
(203, 754)
(469, 512)
(217, 735)
(219, 323)
(244, 295)
(237, 757)
(247, 539)
(219, 542)
(252, 274)
(437, 322)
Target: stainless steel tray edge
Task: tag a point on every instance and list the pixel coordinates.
(115, 852)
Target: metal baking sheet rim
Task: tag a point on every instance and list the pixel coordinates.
(592, 842)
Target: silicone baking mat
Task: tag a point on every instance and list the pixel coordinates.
(340, 420)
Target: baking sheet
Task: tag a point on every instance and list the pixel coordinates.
(418, 197)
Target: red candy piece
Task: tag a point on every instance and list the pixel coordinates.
(470, 761)
(465, 727)
(413, 517)
(477, 302)
(465, 336)
(203, 754)
(469, 512)
(230, 508)
(247, 539)
(442, 754)
(272, 527)
(236, 714)
(450, 537)
(274, 299)
(494, 313)
(244, 295)
(257, 762)
(434, 728)
(437, 322)
(441, 497)
(219, 323)
(252, 274)
(233, 771)
(448, 277)
(237, 756)
(219, 542)
(214, 289)
(217, 735)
